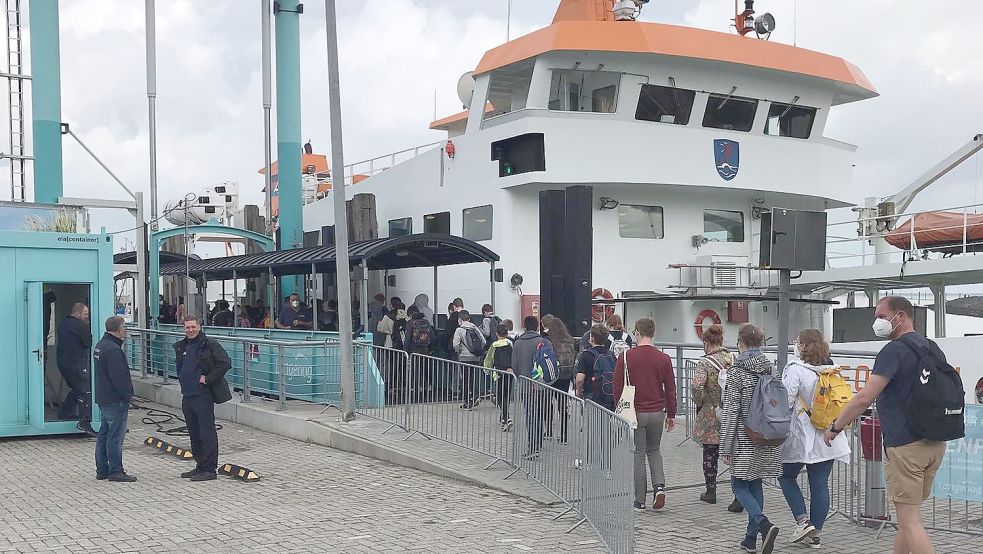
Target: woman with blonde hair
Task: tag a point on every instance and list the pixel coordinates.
(805, 446)
(707, 391)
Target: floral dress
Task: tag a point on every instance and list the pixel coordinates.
(706, 391)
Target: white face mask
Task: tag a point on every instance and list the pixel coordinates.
(883, 327)
(295, 304)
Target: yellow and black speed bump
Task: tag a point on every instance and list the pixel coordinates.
(168, 448)
(238, 472)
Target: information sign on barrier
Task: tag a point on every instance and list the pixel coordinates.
(961, 474)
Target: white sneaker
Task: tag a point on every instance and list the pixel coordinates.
(802, 532)
(578, 464)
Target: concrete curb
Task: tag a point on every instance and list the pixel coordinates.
(264, 417)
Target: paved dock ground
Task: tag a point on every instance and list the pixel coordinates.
(310, 499)
(315, 499)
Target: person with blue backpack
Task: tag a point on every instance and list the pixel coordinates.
(748, 444)
(526, 350)
(595, 369)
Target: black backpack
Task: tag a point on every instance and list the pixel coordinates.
(938, 400)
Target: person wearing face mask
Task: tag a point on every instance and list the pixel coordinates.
(295, 315)
(912, 462)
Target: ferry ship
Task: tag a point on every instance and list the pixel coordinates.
(617, 160)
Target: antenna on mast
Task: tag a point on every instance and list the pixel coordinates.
(508, 22)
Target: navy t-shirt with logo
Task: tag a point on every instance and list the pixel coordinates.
(899, 363)
(288, 315)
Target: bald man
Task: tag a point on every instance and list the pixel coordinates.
(74, 342)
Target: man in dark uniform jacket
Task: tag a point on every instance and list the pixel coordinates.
(114, 389)
(201, 367)
(74, 341)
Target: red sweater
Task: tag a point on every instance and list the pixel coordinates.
(651, 374)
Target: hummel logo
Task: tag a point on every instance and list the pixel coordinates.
(953, 412)
(925, 375)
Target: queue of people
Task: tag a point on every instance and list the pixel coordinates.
(761, 421)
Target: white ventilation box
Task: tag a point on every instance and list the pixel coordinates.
(724, 272)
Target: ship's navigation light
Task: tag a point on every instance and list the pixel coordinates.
(764, 24)
(628, 10)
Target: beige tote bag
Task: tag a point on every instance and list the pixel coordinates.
(626, 404)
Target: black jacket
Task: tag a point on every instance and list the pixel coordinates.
(74, 342)
(214, 362)
(113, 383)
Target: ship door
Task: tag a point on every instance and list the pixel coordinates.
(56, 395)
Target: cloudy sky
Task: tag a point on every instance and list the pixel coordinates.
(396, 53)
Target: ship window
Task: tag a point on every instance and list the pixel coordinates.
(437, 223)
(584, 91)
(640, 222)
(477, 223)
(220, 189)
(508, 88)
(733, 113)
(401, 227)
(204, 200)
(723, 225)
(665, 104)
(209, 209)
(785, 120)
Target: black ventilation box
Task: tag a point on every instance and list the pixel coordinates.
(793, 239)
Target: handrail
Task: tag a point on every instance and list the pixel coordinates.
(246, 340)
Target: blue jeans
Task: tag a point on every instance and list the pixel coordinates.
(752, 497)
(818, 491)
(109, 442)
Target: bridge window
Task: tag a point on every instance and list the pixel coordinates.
(723, 225)
(437, 223)
(508, 88)
(786, 120)
(640, 222)
(584, 91)
(477, 223)
(401, 227)
(664, 104)
(732, 113)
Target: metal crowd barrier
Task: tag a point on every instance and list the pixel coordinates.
(577, 450)
(278, 369)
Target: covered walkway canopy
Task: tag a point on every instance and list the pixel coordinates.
(410, 251)
(423, 250)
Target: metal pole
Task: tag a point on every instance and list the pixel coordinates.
(435, 303)
(492, 280)
(68, 131)
(204, 300)
(140, 301)
(364, 308)
(271, 293)
(785, 278)
(342, 272)
(235, 301)
(267, 107)
(151, 32)
(246, 354)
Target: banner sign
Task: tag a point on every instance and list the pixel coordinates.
(961, 474)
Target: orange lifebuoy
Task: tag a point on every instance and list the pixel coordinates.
(601, 312)
(701, 317)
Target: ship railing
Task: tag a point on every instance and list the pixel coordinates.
(378, 164)
(845, 249)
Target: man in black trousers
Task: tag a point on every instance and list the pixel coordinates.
(201, 366)
(74, 341)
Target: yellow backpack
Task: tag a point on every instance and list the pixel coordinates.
(833, 392)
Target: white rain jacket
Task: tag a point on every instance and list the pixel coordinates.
(805, 443)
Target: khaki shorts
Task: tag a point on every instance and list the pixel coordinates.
(911, 470)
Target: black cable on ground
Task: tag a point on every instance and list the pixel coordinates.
(161, 418)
